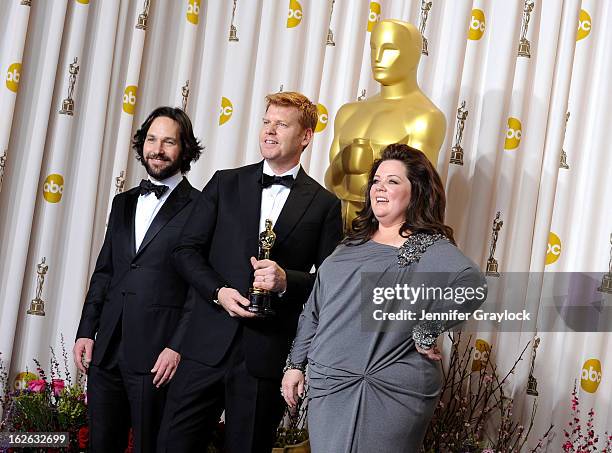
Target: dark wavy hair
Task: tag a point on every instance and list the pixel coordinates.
(425, 212)
(191, 149)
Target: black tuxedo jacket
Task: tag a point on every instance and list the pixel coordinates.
(215, 249)
(141, 290)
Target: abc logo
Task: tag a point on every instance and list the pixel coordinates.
(584, 25)
(513, 133)
(53, 188)
(481, 355)
(12, 77)
(477, 25)
(374, 15)
(193, 12)
(22, 379)
(129, 99)
(323, 117)
(295, 14)
(553, 249)
(226, 110)
(590, 377)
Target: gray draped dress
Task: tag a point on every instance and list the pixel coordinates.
(370, 390)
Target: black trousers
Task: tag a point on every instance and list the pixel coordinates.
(198, 395)
(117, 399)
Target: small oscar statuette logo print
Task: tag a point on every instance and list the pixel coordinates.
(425, 8)
(492, 265)
(457, 151)
(68, 103)
(233, 32)
(37, 305)
(524, 49)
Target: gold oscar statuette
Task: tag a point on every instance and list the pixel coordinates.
(2, 167)
(330, 34)
(233, 33)
(492, 265)
(261, 303)
(68, 103)
(606, 281)
(563, 161)
(425, 8)
(119, 183)
(185, 95)
(532, 383)
(37, 305)
(141, 23)
(401, 113)
(457, 151)
(524, 49)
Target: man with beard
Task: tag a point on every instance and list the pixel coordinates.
(134, 315)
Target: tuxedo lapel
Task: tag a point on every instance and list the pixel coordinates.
(175, 202)
(298, 201)
(250, 205)
(129, 220)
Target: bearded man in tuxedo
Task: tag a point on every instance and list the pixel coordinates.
(134, 316)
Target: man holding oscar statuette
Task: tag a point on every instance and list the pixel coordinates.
(242, 326)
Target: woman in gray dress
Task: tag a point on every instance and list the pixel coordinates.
(375, 379)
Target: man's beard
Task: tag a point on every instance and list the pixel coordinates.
(165, 172)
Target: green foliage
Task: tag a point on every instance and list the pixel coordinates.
(71, 410)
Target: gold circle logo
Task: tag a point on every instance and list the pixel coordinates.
(226, 110)
(590, 376)
(513, 133)
(584, 25)
(193, 12)
(323, 118)
(553, 250)
(53, 188)
(477, 25)
(482, 349)
(374, 15)
(12, 77)
(129, 99)
(295, 14)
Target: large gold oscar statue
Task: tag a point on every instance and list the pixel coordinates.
(401, 113)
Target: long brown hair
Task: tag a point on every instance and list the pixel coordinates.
(425, 212)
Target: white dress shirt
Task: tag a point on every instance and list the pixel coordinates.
(273, 198)
(149, 205)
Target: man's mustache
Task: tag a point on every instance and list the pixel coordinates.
(158, 156)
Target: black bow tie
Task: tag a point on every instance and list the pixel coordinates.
(146, 187)
(267, 180)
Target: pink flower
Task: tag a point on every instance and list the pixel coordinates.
(57, 385)
(37, 385)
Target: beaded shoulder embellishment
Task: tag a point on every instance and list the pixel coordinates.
(414, 247)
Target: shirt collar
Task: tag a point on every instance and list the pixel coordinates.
(171, 181)
(268, 170)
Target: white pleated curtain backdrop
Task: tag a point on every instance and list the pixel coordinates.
(555, 219)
